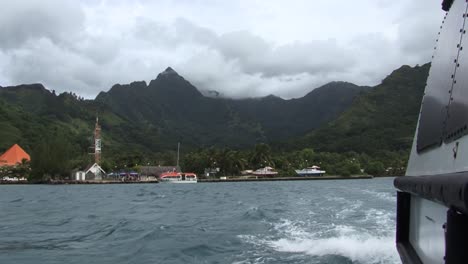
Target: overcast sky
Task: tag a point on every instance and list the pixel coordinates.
(240, 48)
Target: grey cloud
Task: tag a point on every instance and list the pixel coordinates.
(314, 58)
(57, 43)
(241, 64)
(180, 32)
(242, 45)
(54, 19)
(187, 31)
(99, 49)
(415, 37)
(58, 68)
(252, 53)
(154, 33)
(255, 55)
(417, 30)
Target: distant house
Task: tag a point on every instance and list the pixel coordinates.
(211, 172)
(79, 175)
(156, 171)
(94, 172)
(13, 156)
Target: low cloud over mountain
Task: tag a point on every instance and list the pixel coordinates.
(241, 48)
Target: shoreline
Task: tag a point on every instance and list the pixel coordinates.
(316, 178)
(217, 180)
(65, 182)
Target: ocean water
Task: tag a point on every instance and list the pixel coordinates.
(351, 221)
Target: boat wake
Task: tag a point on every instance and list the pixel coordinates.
(362, 248)
(357, 245)
(385, 196)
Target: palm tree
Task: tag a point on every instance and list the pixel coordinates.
(261, 156)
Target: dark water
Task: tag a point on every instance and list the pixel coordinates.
(260, 222)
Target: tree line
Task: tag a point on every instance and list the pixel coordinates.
(56, 156)
(232, 162)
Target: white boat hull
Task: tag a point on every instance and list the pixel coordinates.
(183, 182)
(264, 174)
(178, 181)
(310, 172)
(267, 171)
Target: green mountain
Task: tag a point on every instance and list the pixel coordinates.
(143, 119)
(384, 119)
(339, 125)
(171, 109)
(284, 119)
(29, 114)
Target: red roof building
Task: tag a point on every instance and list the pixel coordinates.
(13, 156)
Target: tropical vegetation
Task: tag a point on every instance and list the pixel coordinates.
(341, 127)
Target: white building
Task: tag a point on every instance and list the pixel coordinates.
(94, 172)
(79, 176)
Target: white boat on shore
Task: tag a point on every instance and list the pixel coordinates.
(267, 171)
(178, 177)
(311, 171)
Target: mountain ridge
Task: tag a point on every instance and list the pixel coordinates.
(382, 120)
(271, 117)
(143, 118)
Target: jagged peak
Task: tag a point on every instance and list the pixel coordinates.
(271, 96)
(336, 84)
(139, 84)
(404, 68)
(169, 71)
(32, 86)
(135, 84)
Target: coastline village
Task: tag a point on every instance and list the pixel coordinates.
(15, 168)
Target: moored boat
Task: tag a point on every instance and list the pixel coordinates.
(178, 177)
(267, 171)
(311, 171)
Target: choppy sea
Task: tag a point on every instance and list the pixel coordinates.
(347, 221)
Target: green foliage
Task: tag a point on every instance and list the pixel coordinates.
(52, 158)
(375, 168)
(261, 156)
(170, 109)
(355, 127)
(382, 119)
(232, 162)
(22, 170)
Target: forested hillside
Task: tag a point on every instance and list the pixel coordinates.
(384, 119)
(142, 123)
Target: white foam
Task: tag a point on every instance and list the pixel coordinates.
(349, 209)
(337, 199)
(357, 248)
(348, 241)
(386, 196)
(251, 239)
(290, 228)
(344, 230)
(385, 220)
